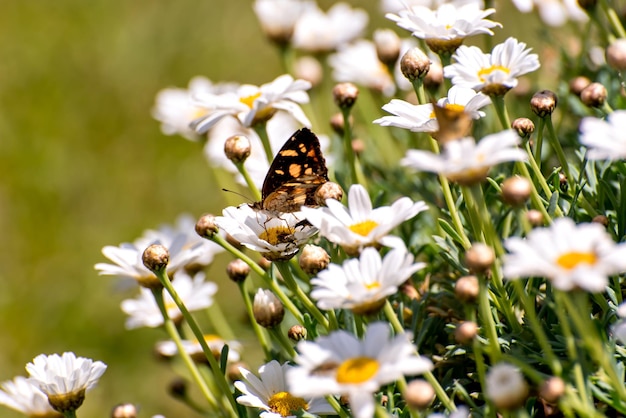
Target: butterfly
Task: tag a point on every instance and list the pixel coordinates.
(296, 173)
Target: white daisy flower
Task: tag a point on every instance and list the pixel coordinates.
(317, 31)
(554, 12)
(358, 63)
(275, 236)
(362, 285)
(341, 364)
(445, 28)
(570, 256)
(252, 104)
(269, 392)
(466, 162)
(359, 225)
(194, 349)
(195, 293)
(505, 386)
(395, 6)
(278, 17)
(605, 139)
(22, 396)
(65, 378)
(494, 73)
(421, 118)
(173, 107)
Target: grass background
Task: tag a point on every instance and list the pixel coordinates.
(83, 165)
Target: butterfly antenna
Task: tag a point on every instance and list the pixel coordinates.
(238, 194)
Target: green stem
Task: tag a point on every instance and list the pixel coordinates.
(70, 414)
(251, 185)
(392, 318)
(503, 116)
(347, 147)
(538, 143)
(613, 18)
(258, 330)
(261, 130)
(284, 342)
(558, 149)
(418, 86)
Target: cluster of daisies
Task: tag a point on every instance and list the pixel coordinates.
(350, 281)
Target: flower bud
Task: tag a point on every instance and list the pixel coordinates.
(388, 45)
(578, 84)
(479, 257)
(535, 217)
(594, 95)
(616, 54)
(233, 372)
(297, 333)
(543, 103)
(601, 219)
(124, 410)
(506, 387)
(358, 146)
(155, 258)
(206, 226)
(237, 270)
(516, 190)
(313, 259)
(178, 388)
(465, 332)
(309, 69)
(264, 263)
(345, 95)
(434, 77)
(328, 190)
(552, 389)
(267, 309)
(237, 148)
(467, 288)
(419, 394)
(524, 127)
(414, 64)
(337, 124)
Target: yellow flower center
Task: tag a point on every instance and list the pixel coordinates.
(486, 71)
(571, 260)
(363, 228)
(457, 108)
(357, 370)
(249, 100)
(278, 235)
(373, 285)
(285, 404)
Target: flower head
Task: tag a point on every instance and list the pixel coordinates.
(195, 293)
(363, 284)
(275, 236)
(605, 140)
(494, 73)
(570, 256)
(269, 392)
(65, 378)
(342, 364)
(421, 118)
(359, 225)
(466, 161)
(505, 386)
(554, 12)
(23, 396)
(278, 18)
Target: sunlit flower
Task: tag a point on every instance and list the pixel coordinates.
(341, 364)
(395, 6)
(554, 12)
(359, 225)
(445, 28)
(252, 104)
(317, 31)
(269, 392)
(505, 386)
(275, 236)
(174, 109)
(465, 161)
(278, 17)
(362, 285)
(65, 378)
(194, 349)
(421, 118)
(605, 139)
(494, 73)
(358, 63)
(195, 293)
(22, 396)
(570, 256)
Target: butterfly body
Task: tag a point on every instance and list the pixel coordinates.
(297, 171)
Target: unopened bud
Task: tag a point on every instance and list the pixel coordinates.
(467, 288)
(178, 388)
(524, 127)
(419, 394)
(358, 146)
(267, 309)
(543, 103)
(479, 257)
(155, 258)
(535, 217)
(124, 410)
(233, 372)
(434, 77)
(309, 69)
(388, 45)
(594, 95)
(297, 333)
(264, 263)
(601, 219)
(578, 84)
(206, 226)
(237, 270)
(337, 123)
(465, 332)
(345, 95)
(328, 190)
(563, 185)
(506, 387)
(616, 54)
(313, 259)
(237, 148)
(552, 389)
(516, 190)
(414, 64)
